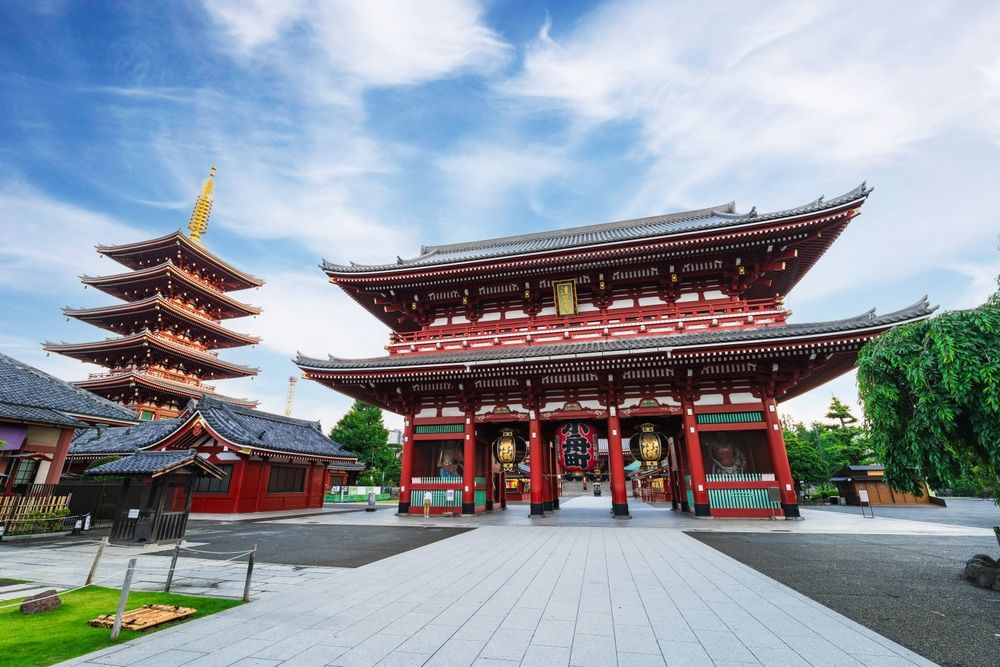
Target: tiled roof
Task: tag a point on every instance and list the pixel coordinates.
(263, 430)
(616, 346)
(718, 217)
(28, 394)
(152, 463)
(237, 425)
(103, 440)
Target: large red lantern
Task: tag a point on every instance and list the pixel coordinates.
(577, 443)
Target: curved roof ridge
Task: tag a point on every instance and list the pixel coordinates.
(685, 222)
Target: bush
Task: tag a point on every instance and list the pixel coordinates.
(38, 522)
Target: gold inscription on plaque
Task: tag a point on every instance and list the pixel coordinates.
(565, 297)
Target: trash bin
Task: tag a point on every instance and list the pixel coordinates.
(597, 488)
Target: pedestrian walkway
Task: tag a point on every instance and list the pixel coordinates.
(617, 594)
(65, 565)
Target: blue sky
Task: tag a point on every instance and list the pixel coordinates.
(359, 131)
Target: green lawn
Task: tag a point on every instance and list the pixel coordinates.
(10, 582)
(43, 639)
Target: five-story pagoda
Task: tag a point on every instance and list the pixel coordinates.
(175, 296)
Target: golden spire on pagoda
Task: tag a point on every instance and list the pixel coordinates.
(198, 224)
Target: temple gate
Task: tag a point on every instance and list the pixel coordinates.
(668, 331)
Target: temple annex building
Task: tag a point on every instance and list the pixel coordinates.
(665, 336)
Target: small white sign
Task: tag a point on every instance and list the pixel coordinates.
(451, 495)
(864, 495)
(767, 477)
(133, 514)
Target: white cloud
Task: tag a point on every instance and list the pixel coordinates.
(375, 43)
(482, 176)
(49, 243)
(713, 87)
(302, 312)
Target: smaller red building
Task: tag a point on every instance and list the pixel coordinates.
(269, 462)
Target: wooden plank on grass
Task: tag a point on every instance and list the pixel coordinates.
(145, 617)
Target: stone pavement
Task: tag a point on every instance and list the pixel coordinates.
(64, 565)
(619, 593)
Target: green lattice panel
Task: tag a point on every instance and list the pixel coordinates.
(730, 418)
(439, 428)
(729, 499)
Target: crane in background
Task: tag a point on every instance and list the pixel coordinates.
(290, 398)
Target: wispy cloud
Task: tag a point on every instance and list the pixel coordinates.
(48, 243)
(376, 43)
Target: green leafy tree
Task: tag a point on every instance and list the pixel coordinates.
(931, 393)
(839, 411)
(804, 458)
(361, 431)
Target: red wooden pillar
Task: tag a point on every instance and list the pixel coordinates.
(469, 466)
(537, 466)
(236, 484)
(547, 477)
(489, 477)
(503, 490)
(406, 467)
(616, 465)
(779, 459)
(555, 477)
(59, 457)
(696, 467)
(682, 470)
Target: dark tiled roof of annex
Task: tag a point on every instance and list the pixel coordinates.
(28, 394)
(712, 218)
(264, 430)
(151, 463)
(105, 441)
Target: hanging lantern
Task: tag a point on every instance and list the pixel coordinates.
(577, 443)
(648, 446)
(509, 449)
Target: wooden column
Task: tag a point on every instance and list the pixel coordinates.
(59, 457)
(537, 465)
(503, 490)
(779, 459)
(469, 466)
(547, 475)
(696, 468)
(616, 466)
(555, 476)
(406, 468)
(236, 484)
(488, 476)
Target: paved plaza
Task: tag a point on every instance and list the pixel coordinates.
(574, 588)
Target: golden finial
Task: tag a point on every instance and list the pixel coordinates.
(198, 224)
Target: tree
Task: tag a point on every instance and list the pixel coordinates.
(361, 431)
(804, 458)
(838, 410)
(931, 393)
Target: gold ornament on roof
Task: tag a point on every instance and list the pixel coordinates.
(198, 224)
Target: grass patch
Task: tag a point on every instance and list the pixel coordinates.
(11, 582)
(30, 640)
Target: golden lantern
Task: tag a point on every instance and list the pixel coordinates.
(647, 446)
(509, 449)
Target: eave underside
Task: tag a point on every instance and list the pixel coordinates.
(775, 258)
(138, 350)
(146, 253)
(158, 312)
(167, 278)
(139, 388)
